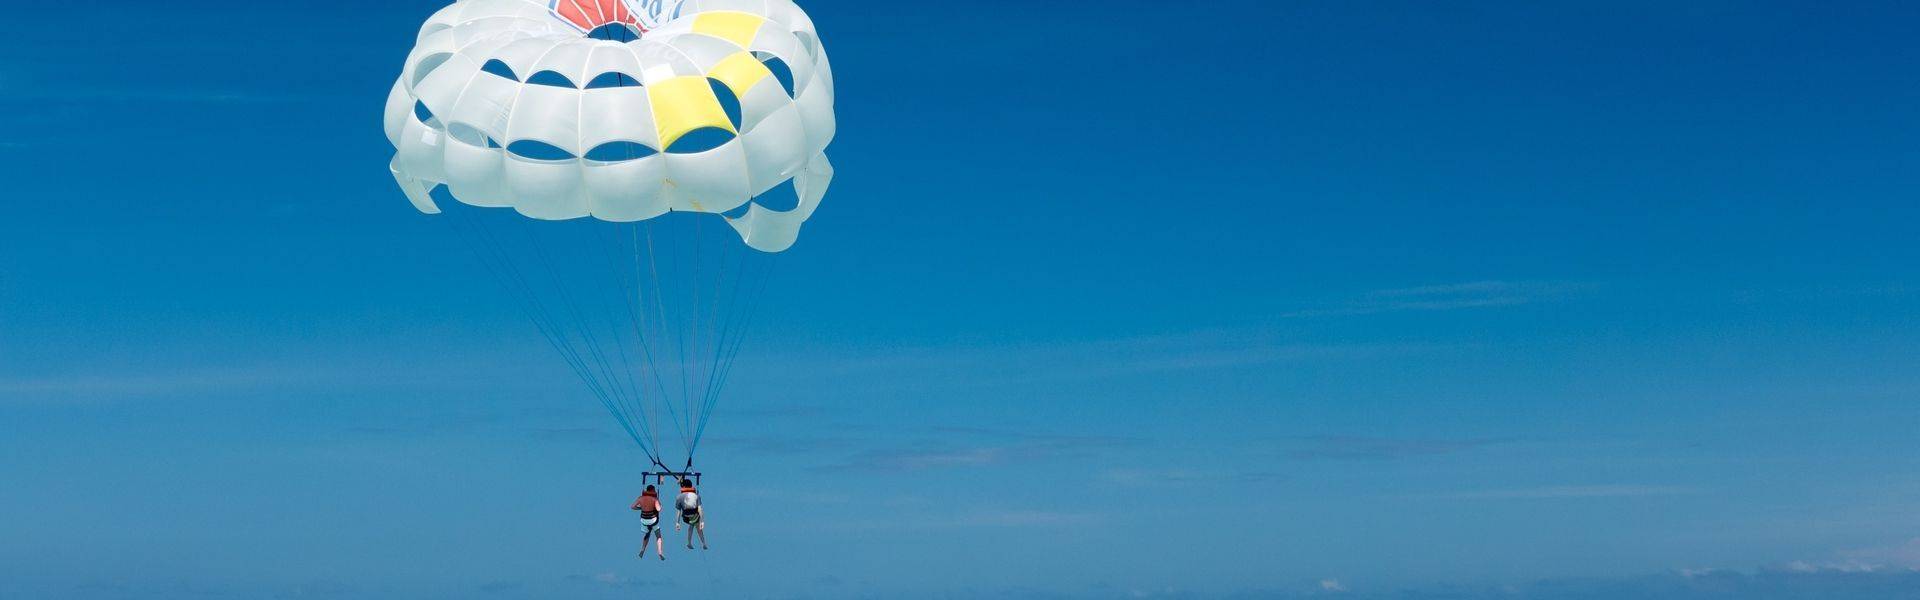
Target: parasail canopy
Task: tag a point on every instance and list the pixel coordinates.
(619, 111)
(615, 131)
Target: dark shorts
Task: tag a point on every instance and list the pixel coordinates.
(690, 518)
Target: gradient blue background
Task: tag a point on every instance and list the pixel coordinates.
(1235, 298)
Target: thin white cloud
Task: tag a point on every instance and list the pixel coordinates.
(1156, 477)
(1024, 365)
(959, 447)
(1476, 289)
(1568, 492)
(1024, 518)
(108, 385)
(1380, 448)
(72, 93)
(921, 460)
(95, 386)
(1453, 296)
(987, 519)
(1904, 555)
(1694, 585)
(611, 579)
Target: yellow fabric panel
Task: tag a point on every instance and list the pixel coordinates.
(683, 104)
(734, 26)
(740, 72)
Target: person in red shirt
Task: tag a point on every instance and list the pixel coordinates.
(649, 507)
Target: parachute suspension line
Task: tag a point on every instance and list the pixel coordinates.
(708, 334)
(640, 328)
(580, 322)
(660, 313)
(716, 336)
(606, 251)
(724, 335)
(527, 301)
(688, 327)
(605, 389)
(536, 311)
(725, 363)
(499, 264)
(731, 351)
(752, 315)
(692, 332)
(703, 337)
(624, 397)
(721, 322)
(637, 307)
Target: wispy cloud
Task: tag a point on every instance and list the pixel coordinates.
(1454, 296)
(1057, 440)
(1568, 492)
(1773, 583)
(921, 459)
(569, 434)
(1380, 448)
(1899, 556)
(97, 386)
(782, 444)
(793, 495)
(955, 447)
(1030, 364)
(70, 92)
(988, 519)
(112, 384)
(1156, 477)
(776, 412)
(1023, 518)
(611, 579)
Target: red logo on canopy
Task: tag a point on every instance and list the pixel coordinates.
(589, 15)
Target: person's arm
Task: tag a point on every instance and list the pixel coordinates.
(636, 502)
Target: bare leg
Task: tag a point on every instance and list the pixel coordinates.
(645, 539)
(690, 531)
(703, 533)
(660, 545)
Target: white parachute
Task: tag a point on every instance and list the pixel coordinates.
(618, 110)
(594, 121)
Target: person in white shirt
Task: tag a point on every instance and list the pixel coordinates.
(691, 514)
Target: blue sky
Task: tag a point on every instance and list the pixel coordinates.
(1245, 299)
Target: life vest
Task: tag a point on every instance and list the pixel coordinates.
(640, 505)
(688, 512)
